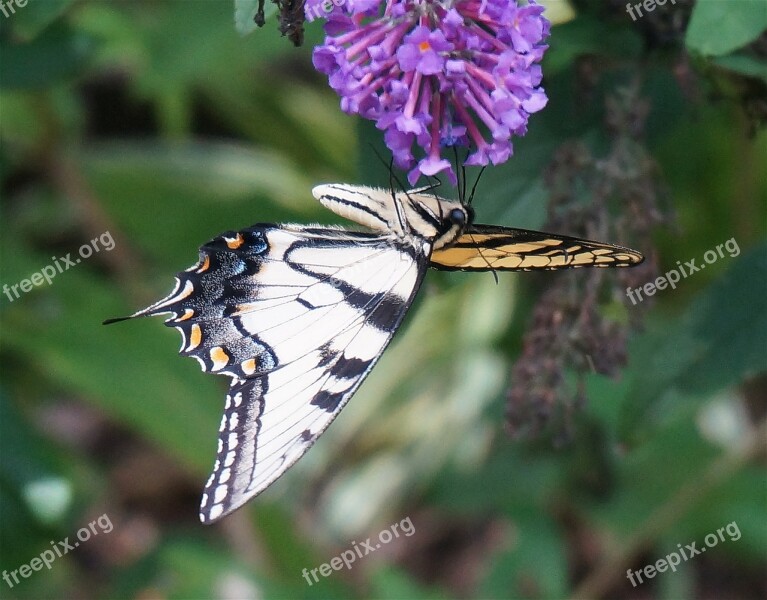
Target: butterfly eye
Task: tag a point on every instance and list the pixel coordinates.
(457, 216)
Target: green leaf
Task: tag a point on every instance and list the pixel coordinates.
(719, 341)
(28, 462)
(587, 35)
(36, 15)
(535, 566)
(643, 485)
(192, 568)
(113, 367)
(677, 487)
(393, 584)
(59, 55)
(511, 480)
(25, 459)
(744, 65)
(742, 501)
(717, 28)
(231, 185)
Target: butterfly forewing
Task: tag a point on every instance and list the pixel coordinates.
(487, 247)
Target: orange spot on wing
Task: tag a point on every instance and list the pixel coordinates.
(236, 242)
(219, 357)
(249, 366)
(205, 264)
(195, 337)
(188, 314)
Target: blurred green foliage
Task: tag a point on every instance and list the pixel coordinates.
(159, 123)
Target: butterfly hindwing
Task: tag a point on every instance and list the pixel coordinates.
(297, 316)
(488, 247)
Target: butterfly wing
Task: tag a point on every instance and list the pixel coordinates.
(297, 316)
(490, 248)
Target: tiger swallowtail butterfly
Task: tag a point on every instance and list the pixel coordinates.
(298, 315)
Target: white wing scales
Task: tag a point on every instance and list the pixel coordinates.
(293, 406)
(297, 316)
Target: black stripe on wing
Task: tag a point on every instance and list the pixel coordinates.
(297, 316)
(272, 419)
(492, 248)
(235, 456)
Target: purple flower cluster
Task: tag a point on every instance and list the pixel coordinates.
(436, 73)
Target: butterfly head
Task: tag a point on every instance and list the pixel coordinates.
(440, 220)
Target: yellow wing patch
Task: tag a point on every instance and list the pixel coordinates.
(489, 248)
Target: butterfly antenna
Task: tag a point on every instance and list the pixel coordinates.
(471, 236)
(460, 175)
(392, 178)
(476, 182)
(433, 186)
(390, 165)
(115, 320)
(463, 173)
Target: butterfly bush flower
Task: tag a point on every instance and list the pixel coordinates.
(436, 73)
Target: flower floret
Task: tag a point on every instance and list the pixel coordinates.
(437, 73)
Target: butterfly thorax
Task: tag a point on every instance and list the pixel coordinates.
(410, 216)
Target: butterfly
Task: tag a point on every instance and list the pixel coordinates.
(298, 315)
